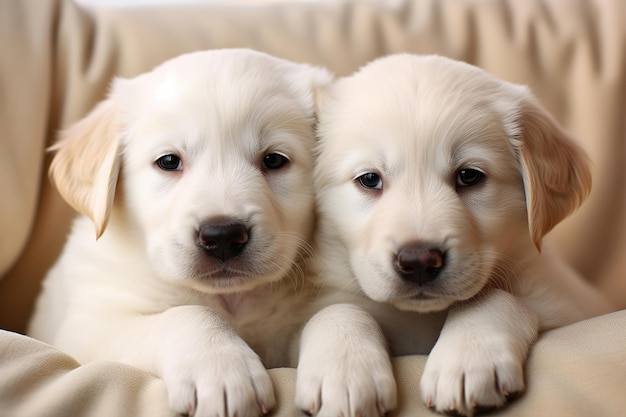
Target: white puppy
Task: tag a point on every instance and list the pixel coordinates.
(436, 183)
(197, 176)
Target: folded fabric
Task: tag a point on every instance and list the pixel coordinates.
(578, 370)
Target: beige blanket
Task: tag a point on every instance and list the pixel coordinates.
(56, 62)
(575, 371)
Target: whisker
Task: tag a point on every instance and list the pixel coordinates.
(503, 268)
(296, 267)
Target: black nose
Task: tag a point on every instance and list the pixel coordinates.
(222, 240)
(419, 264)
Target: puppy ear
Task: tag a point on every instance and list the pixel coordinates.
(86, 165)
(556, 171)
(308, 81)
(321, 95)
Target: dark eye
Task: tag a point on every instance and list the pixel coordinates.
(371, 180)
(468, 177)
(170, 163)
(274, 161)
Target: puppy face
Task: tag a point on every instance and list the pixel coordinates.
(434, 178)
(214, 153)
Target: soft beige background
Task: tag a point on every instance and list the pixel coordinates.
(56, 61)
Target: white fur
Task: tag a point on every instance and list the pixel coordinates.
(416, 122)
(145, 293)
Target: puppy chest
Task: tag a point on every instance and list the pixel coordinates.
(267, 325)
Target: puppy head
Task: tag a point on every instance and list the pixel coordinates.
(434, 177)
(214, 152)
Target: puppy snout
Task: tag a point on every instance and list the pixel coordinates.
(419, 264)
(223, 240)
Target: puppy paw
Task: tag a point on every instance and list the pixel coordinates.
(209, 370)
(342, 372)
(464, 382)
(350, 386)
(229, 382)
(478, 362)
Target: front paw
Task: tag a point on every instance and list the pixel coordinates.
(478, 361)
(466, 379)
(227, 382)
(344, 367)
(349, 386)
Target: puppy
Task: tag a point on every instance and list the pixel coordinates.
(436, 184)
(197, 177)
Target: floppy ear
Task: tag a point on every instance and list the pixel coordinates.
(87, 163)
(321, 95)
(555, 170)
(307, 80)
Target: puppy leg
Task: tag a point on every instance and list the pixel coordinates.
(207, 368)
(479, 357)
(344, 367)
(203, 356)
